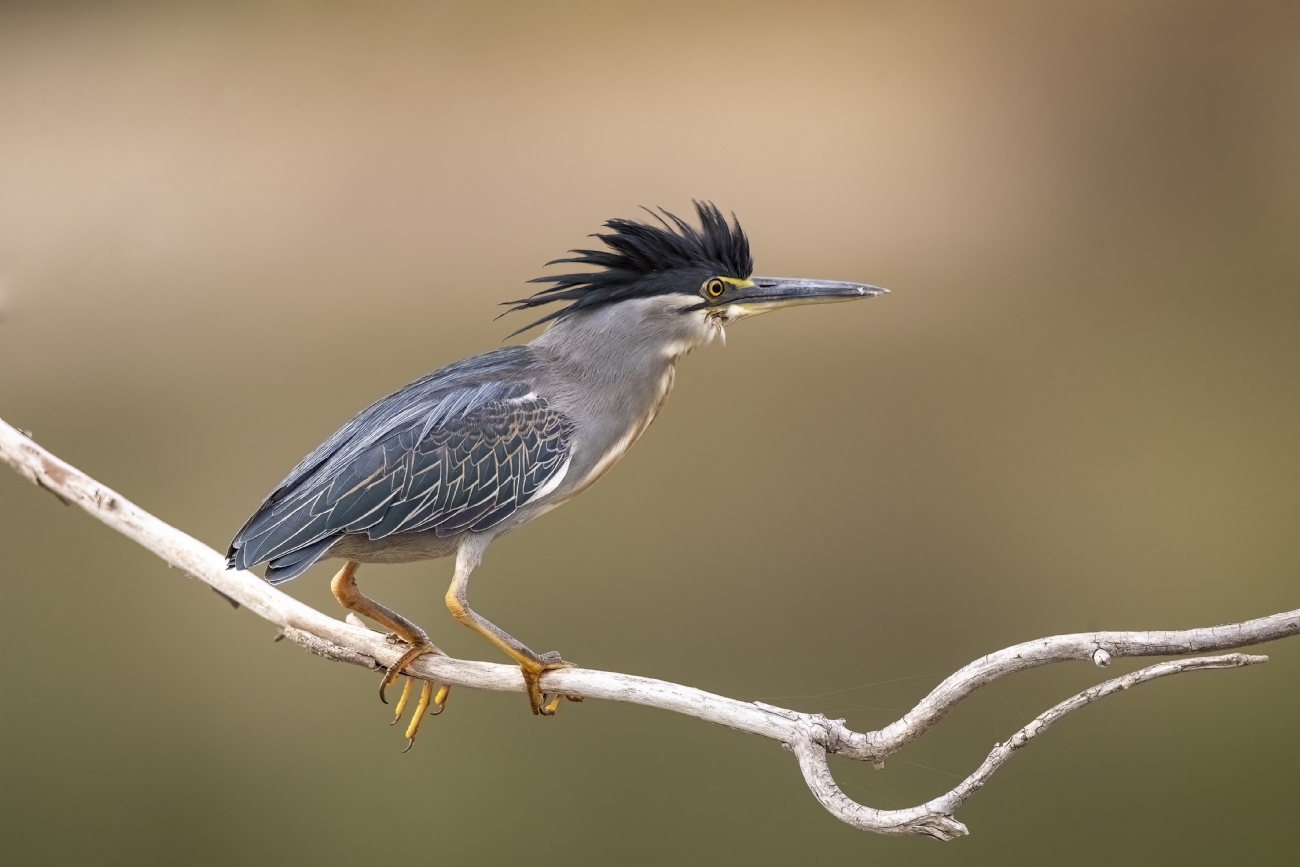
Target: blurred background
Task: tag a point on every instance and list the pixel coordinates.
(225, 228)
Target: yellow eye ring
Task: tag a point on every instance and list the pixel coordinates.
(714, 288)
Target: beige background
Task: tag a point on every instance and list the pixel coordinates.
(224, 229)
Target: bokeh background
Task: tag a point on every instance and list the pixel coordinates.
(225, 228)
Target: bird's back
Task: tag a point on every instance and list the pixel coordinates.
(461, 449)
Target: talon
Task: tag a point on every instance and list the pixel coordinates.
(428, 698)
(402, 632)
(532, 688)
(543, 704)
(389, 677)
(440, 700)
(426, 695)
(414, 652)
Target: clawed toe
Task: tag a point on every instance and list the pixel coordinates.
(544, 704)
(428, 697)
(402, 632)
(553, 703)
(414, 652)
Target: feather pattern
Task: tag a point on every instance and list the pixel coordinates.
(459, 450)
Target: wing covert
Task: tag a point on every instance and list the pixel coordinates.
(467, 467)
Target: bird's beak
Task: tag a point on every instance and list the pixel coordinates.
(773, 293)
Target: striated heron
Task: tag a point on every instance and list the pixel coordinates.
(470, 452)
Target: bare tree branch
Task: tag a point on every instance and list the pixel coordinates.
(809, 736)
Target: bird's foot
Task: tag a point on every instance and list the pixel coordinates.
(533, 669)
(428, 697)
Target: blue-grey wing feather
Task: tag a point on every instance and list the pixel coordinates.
(461, 449)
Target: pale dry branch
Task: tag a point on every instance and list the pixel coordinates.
(809, 736)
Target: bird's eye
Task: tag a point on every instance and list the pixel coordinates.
(714, 288)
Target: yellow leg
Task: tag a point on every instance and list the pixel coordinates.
(533, 665)
(350, 597)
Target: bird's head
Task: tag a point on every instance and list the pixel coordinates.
(704, 274)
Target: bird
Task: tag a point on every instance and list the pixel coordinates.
(464, 455)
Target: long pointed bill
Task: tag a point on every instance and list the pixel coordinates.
(773, 293)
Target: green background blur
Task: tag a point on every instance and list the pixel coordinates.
(226, 228)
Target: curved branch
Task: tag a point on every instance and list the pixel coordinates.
(1099, 647)
(810, 737)
(935, 818)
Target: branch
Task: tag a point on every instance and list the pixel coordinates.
(809, 736)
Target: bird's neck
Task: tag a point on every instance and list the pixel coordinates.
(615, 367)
(627, 343)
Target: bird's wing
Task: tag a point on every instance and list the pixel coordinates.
(460, 459)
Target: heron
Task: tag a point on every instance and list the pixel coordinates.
(464, 455)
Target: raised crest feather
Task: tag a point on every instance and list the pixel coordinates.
(637, 254)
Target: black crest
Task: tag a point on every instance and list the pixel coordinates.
(640, 261)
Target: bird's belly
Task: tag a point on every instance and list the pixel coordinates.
(398, 548)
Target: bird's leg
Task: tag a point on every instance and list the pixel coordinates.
(533, 665)
(418, 644)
